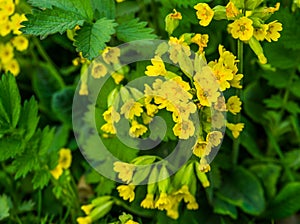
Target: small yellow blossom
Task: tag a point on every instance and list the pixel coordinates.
(118, 77)
(65, 158)
(273, 9)
(176, 15)
(242, 29)
(151, 109)
(184, 129)
(234, 105)
(12, 66)
(111, 55)
(109, 128)
(136, 130)
(57, 172)
(15, 22)
(111, 115)
(8, 7)
(148, 202)
(6, 53)
(83, 91)
(20, 43)
(163, 201)
(273, 31)
(87, 208)
(204, 13)
(126, 192)
(235, 128)
(98, 70)
(177, 48)
(235, 82)
(231, 10)
(261, 32)
(214, 138)
(157, 67)
(131, 109)
(201, 148)
(5, 27)
(131, 222)
(84, 220)
(201, 40)
(125, 171)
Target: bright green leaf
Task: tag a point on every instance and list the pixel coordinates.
(134, 30)
(224, 208)
(41, 179)
(4, 207)
(91, 38)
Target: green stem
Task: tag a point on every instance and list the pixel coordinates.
(43, 53)
(39, 204)
(236, 142)
(132, 210)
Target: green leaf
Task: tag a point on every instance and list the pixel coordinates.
(41, 179)
(292, 107)
(286, 202)
(224, 208)
(10, 101)
(61, 105)
(268, 174)
(104, 8)
(26, 206)
(275, 102)
(60, 138)
(295, 88)
(279, 78)
(292, 159)
(134, 30)
(51, 21)
(4, 207)
(91, 38)
(29, 118)
(45, 83)
(25, 163)
(11, 146)
(243, 189)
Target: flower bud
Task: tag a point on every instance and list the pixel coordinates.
(219, 12)
(257, 49)
(112, 97)
(101, 210)
(172, 21)
(164, 182)
(100, 200)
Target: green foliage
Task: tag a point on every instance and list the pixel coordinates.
(4, 207)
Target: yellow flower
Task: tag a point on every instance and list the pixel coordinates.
(235, 128)
(83, 91)
(6, 53)
(177, 48)
(99, 70)
(131, 109)
(20, 43)
(87, 208)
(8, 7)
(126, 192)
(231, 10)
(222, 74)
(204, 166)
(125, 171)
(204, 13)
(157, 67)
(260, 33)
(184, 129)
(273, 31)
(84, 220)
(235, 82)
(57, 172)
(148, 202)
(163, 201)
(131, 222)
(5, 27)
(111, 115)
(242, 29)
(192, 205)
(118, 77)
(207, 96)
(273, 9)
(172, 208)
(109, 128)
(15, 22)
(201, 148)
(234, 105)
(137, 129)
(214, 138)
(201, 41)
(65, 158)
(12, 66)
(111, 55)
(151, 109)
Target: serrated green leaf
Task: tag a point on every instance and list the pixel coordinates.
(286, 202)
(26, 206)
(268, 174)
(25, 163)
(292, 107)
(29, 118)
(134, 30)
(10, 100)
(224, 208)
(60, 138)
(45, 139)
(11, 146)
(278, 78)
(91, 39)
(61, 105)
(275, 102)
(104, 8)
(4, 207)
(50, 21)
(41, 179)
(80, 7)
(243, 189)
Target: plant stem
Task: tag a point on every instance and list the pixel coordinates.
(39, 204)
(43, 53)
(236, 142)
(132, 210)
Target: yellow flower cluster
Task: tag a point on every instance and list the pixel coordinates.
(10, 23)
(64, 162)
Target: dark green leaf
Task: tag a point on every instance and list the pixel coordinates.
(274, 102)
(244, 190)
(295, 88)
(104, 8)
(134, 30)
(268, 174)
(51, 21)
(60, 138)
(41, 179)
(286, 202)
(11, 146)
(292, 107)
(279, 78)
(292, 159)
(224, 208)
(91, 39)
(26, 206)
